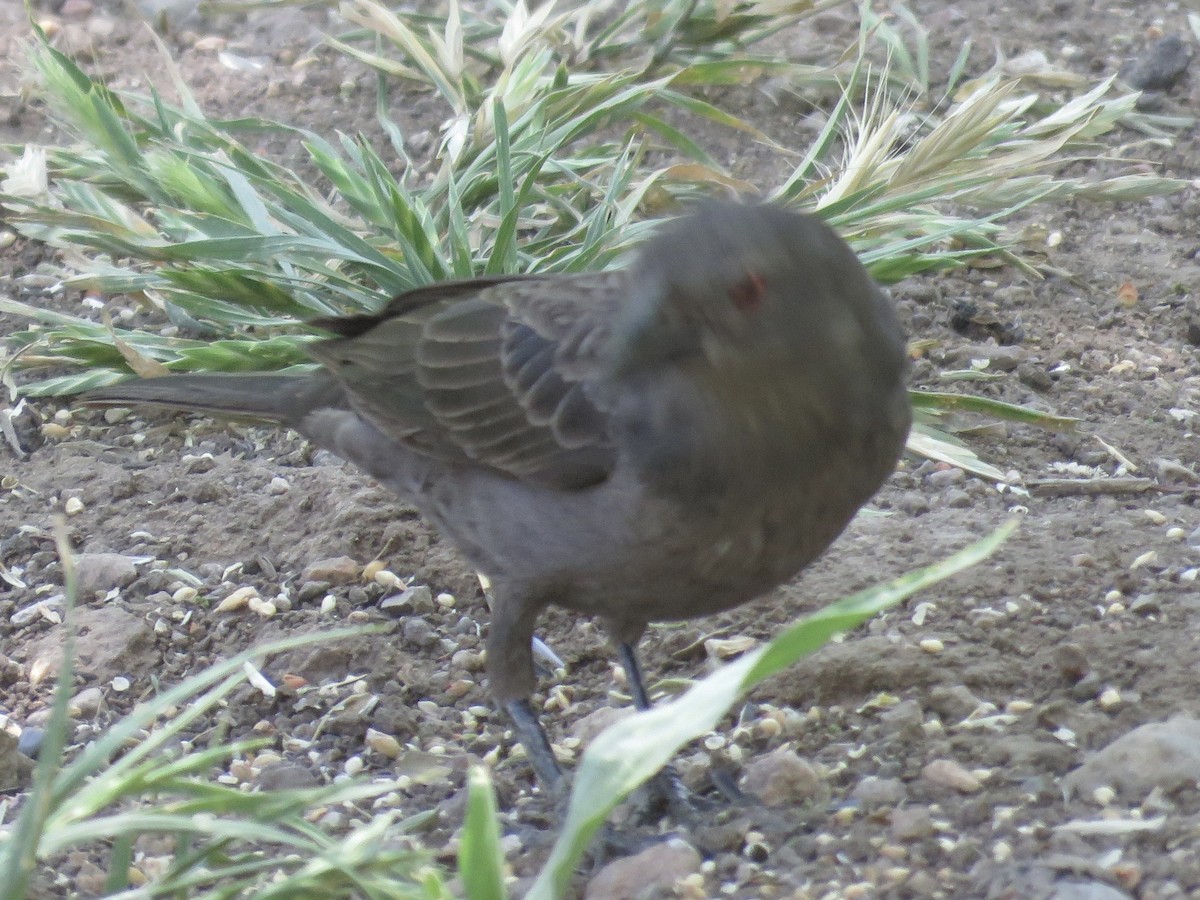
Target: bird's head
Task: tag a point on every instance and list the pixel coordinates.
(734, 285)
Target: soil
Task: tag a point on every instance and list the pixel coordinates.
(1007, 678)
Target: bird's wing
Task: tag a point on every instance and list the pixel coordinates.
(496, 371)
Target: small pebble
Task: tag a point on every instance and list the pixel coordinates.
(73, 506)
(328, 604)
(120, 684)
(1145, 605)
(1110, 698)
(278, 485)
(30, 741)
(86, 703)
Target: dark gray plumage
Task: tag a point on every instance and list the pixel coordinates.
(656, 443)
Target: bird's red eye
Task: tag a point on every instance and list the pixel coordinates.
(748, 295)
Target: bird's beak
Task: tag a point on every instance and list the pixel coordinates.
(648, 332)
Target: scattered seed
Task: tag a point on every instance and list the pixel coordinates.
(328, 604)
(932, 645)
(1146, 559)
(238, 599)
(258, 680)
(727, 648)
(1176, 533)
(120, 684)
(388, 580)
(383, 743)
(1104, 795)
(73, 506)
(1110, 698)
(53, 431)
(264, 608)
(354, 766)
(185, 595)
(446, 601)
(948, 773)
(373, 568)
(1155, 516)
(1016, 707)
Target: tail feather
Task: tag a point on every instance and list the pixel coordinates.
(272, 398)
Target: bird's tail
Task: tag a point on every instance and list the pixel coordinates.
(272, 398)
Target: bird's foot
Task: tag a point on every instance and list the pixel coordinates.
(666, 795)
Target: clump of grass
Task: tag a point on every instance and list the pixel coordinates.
(541, 168)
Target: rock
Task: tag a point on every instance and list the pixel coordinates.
(1004, 358)
(912, 823)
(948, 773)
(286, 775)
(103, 572)
(311, 590)
(416, 599)
(86, 703)
(952, 704)
(1160, 66)
(1163, 755)
(1071, 662)
(419, 632)
(589, 727)
(110, 641)
(49, 609)
(1146, 605)
(336, 570)
(16, 769)
(905, 717)
(873, 792)
(783, 778)
(30, 742)
(655, 870)
(1087, 890)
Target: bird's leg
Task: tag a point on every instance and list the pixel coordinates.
(545, 659)
(633, 674)
(511, 673)
(666, 787)
(533, 738)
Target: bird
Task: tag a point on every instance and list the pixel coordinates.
(653, 443)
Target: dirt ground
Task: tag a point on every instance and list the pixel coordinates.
(1007, 678)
